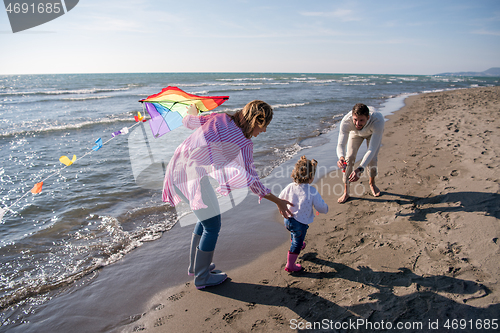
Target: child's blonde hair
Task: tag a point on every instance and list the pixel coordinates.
(255, 113)
(304, 170)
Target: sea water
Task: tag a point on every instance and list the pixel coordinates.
(97, 211)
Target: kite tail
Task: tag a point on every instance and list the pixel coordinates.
(38, 186)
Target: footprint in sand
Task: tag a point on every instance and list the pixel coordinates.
(176, 297)
(162, 320)
(158, 307)
(230, 317)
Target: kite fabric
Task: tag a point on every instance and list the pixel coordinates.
(168, 107)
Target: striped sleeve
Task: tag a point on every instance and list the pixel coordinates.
(193, 122)
(256, 185)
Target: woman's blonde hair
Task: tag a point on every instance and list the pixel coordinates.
(304, 170)
(255, 113)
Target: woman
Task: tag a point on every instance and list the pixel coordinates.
(220, 148)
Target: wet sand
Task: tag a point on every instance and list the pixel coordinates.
(422, 255)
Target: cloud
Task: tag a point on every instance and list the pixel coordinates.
(486, 32)
(344, 15)
(122, 16)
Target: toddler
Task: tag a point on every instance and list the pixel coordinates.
(303, 197)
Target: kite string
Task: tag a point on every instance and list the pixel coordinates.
(8, 208)
(42, 181)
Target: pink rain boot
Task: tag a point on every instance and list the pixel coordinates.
(290, 263)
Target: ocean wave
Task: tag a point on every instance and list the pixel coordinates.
(231, 84)
(100, 242)
(220, 91)
(247, 79)
(242, 84)
(85, 98)
(338, 117)
(38, 127)
(303, 78)
(63, 92)
(291, 105)
(278, 83)
(322, 81)
(281, 155)
(218, 84)
(230, 110)
(359, 84)
(32, 100)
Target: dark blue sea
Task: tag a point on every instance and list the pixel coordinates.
(96, 212)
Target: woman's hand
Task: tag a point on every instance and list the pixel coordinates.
(283, 208)
(282, 205)
(192, 110)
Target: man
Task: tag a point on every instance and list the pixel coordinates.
(356, 126)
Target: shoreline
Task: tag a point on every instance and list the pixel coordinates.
(411, 255)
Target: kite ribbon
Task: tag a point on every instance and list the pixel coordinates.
(98, 145)
(66, 161)
(122, 131)
(37, 188)
(139, 117)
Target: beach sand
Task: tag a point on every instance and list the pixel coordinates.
(424, 254)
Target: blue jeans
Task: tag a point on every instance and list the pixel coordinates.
(298, 234)
(209, 219)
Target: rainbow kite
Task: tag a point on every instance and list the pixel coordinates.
(168, 107)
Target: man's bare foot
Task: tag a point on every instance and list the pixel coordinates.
(375, 190)
(343, 198)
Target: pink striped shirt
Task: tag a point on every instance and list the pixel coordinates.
(218, 148)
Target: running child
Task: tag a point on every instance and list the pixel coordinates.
(304, 197)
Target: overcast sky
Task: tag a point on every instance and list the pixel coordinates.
(324, 36)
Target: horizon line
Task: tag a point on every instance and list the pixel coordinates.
(245, 72)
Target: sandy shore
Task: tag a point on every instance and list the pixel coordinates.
(424, 254)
